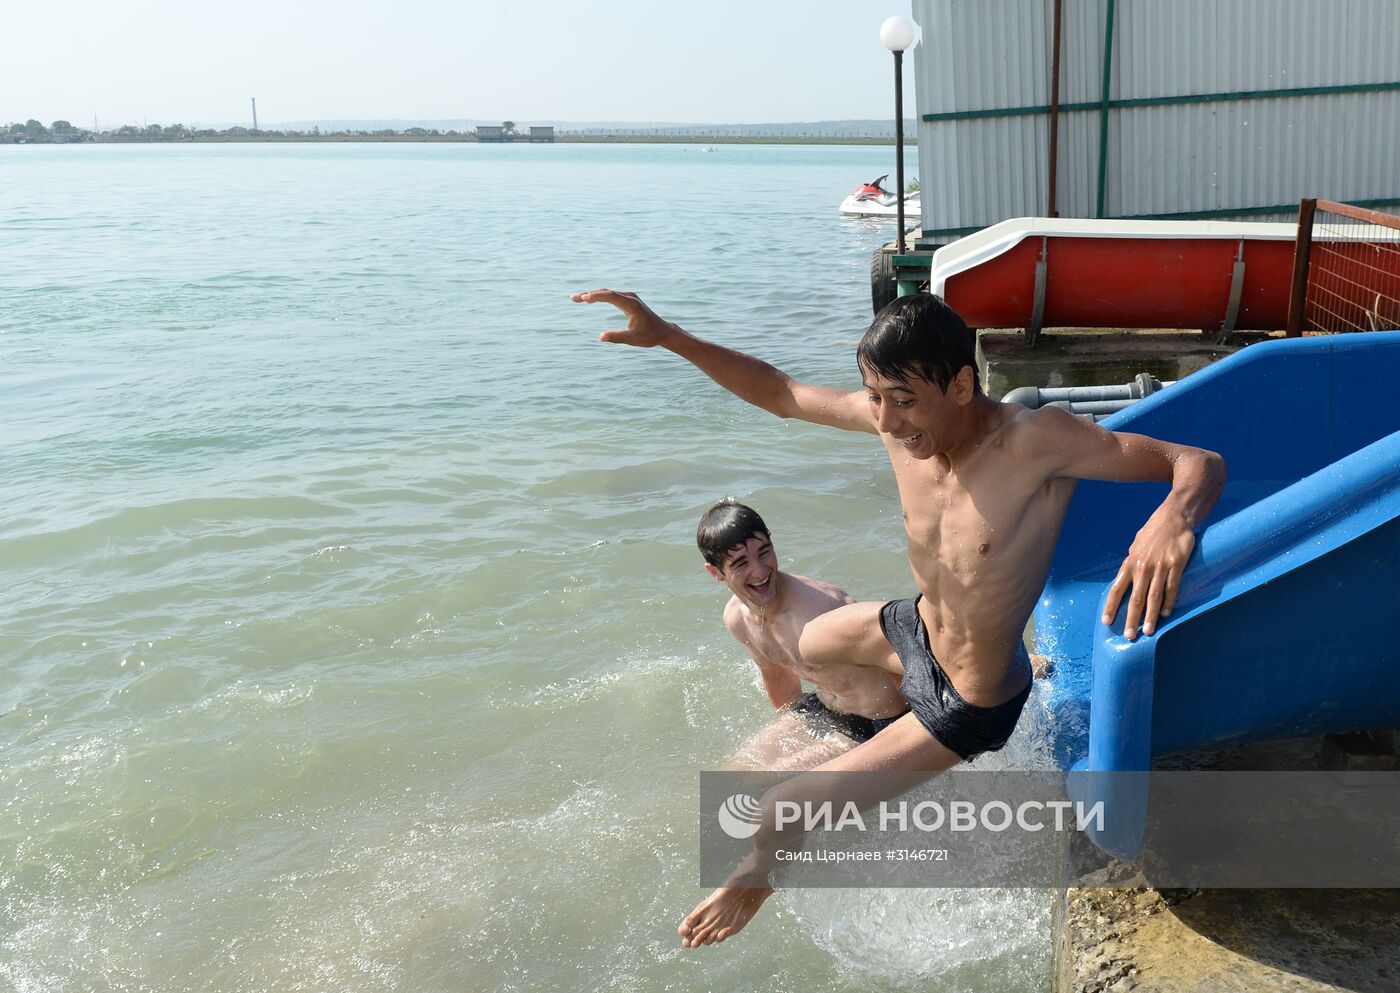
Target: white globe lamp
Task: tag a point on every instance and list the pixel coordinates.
(897, 34)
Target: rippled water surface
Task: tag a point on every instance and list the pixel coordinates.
(353, 634)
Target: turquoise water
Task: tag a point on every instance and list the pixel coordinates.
(353, 633)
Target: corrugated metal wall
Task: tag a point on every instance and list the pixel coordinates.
(1225, 158)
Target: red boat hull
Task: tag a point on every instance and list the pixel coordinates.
(1118, 274)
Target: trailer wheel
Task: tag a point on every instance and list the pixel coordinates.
(883, 288)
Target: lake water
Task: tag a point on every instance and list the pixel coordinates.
(352, 633)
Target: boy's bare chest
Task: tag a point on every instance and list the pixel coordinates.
(778, 641)
(776, 636)
(972, 522)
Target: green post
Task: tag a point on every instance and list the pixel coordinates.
(1103, 107)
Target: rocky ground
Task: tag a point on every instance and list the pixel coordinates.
(1232, 941)
(1120, 936)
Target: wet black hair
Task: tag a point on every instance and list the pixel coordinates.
(919, 335)
(727, 526)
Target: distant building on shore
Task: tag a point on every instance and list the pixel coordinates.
(500, 132)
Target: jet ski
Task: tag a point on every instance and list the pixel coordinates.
(873, 200)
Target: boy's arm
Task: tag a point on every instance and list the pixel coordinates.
(748, 378)
(781, 683)
(1162, 547)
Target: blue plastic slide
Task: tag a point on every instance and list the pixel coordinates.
(1288, 620)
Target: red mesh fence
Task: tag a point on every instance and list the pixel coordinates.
(1346, 274)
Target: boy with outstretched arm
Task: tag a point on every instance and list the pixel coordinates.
(984, 488)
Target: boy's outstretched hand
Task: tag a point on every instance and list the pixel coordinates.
(644, 329)
(1152, 571)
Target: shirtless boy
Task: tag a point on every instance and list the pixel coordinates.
(984, 488)
(767, 613)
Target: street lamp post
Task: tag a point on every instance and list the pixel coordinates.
(897, 34)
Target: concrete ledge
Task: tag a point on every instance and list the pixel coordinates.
(1234, 941)
(1091, 356)
(1119, 936)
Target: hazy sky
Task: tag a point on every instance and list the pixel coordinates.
(196, 61)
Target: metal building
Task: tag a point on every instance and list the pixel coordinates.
(1187, 109)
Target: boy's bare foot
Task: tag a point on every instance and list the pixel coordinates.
(722, 913)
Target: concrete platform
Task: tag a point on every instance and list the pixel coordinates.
(1126, 938)
(1093, 356)
(1234, 941)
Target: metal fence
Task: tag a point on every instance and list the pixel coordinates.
(1346, 270)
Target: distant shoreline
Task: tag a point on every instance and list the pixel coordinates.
(590, 139)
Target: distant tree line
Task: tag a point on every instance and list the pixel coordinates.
(60, 132)
(32, 131)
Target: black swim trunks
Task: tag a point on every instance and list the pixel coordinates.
(822, 720)
(966, 729)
